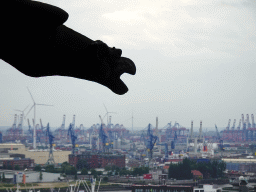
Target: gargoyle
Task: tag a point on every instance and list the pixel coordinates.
(35, 42)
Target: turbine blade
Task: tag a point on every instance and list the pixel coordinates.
(25, 108)
(31, 95)
(105, 107)
(105, 115)
(30, 109)
(44, 104)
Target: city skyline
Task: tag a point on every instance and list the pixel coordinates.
(195, 60)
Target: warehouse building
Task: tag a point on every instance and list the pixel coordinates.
(22, 163)
(243, 165)
(39, 156)
(98, 160)
(31, 176)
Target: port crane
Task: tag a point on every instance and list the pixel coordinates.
(166, 156)
(51, 137)
(103, 136)
(151, 140)
(174, 141)
(220, 140)
(71, 133)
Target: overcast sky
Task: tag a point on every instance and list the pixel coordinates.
(195, 60)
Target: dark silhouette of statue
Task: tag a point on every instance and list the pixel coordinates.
(34, 40)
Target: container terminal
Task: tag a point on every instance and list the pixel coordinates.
(108, 144)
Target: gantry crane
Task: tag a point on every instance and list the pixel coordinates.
(173, 143)
(165, 150)
(103, 137)
(151, 140)
(220, 140)
(51, 137)
(71, 133)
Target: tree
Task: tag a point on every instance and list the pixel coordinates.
(105, 179)
(108, 168)
(41, 176)
(10, 167)
(84, 171)
(50, 168)
(3, 178)
(37, 168)
(182, 170)
(221, 168)
(186, 169)
(25, 166)
(17, 167)
(81, 163)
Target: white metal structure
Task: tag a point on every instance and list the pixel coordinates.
(34, 136)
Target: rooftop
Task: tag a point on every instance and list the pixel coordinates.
(196, 173)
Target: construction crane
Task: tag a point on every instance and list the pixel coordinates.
(173, 143)
(253, 124)
(73, 137)
(20, 123)
(233, 130)
(151, 140)
(228, 127)
(220, 140)
(103, 137)
(234, 124)
(51, 137)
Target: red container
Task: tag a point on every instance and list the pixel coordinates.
(147, 176)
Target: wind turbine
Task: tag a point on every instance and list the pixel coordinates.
(34, 136)
(107, 113)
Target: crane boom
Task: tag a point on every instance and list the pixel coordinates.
(227, 128)
(234, 124)
(191, 130)
(63, 122)
(239, 125)
(253, 124)
(218, 134)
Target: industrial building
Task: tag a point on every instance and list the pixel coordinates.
(31, 176)
(98, 160)
(243, 165)
(39, 156)
(22, 163)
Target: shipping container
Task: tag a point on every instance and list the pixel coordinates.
(147, 176)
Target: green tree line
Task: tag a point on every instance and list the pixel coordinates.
(182, 170)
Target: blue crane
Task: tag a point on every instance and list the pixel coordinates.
(103, 136)
(51, 137)
(219, 138)
(73, 137)
(151, 140)
(174, 141)
(165, 150)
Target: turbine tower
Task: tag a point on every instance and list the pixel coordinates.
(107, 113)
(34, 136)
